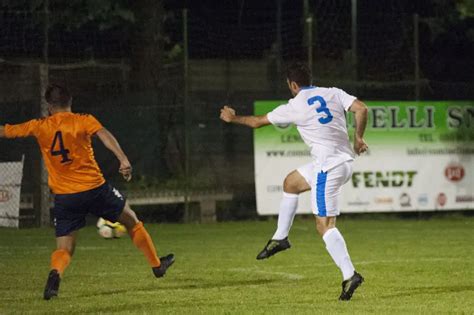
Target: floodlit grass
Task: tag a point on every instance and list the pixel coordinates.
(410, 267)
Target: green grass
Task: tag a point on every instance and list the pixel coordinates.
(410, 267)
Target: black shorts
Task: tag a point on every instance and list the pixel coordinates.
(70, 210)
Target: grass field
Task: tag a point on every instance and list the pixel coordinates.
(410, 267)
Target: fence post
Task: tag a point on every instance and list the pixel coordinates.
(125, 72)
(309, 21)
(44, 197)
(416, 51)
(279, 40)
(187, 214)
(354, 39)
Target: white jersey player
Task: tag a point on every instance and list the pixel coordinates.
(320, 117)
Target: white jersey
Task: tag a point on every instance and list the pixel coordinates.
(320, 117)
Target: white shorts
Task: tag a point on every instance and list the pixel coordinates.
(326, 187)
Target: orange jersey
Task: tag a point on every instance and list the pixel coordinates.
(65, 143)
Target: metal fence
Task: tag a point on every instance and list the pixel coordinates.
(160, 92)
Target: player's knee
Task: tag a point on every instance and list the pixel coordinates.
(67, 243)
(289, 186)
(321, 228)
(323, 224)
(128, 217)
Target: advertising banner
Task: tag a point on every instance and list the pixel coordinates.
(11, 174)
(421, 158)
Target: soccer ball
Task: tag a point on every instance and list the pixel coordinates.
(108, 229)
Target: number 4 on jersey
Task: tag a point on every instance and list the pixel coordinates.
(63, 152)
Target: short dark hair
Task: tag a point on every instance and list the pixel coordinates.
(299, 72)
(57, 96)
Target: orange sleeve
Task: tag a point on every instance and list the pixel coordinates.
(26, 129)
(91, 124)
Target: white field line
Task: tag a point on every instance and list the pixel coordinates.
(295, 276)
(411, 260)
(290, 276)
(383, 261)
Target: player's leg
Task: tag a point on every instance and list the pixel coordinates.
(139, 235)
(60, 260)
(337, 249)
(325, 204)
(143, 241)
(335, 245)
(65, 246)
(294, 184)
(112, 206)
(69, 217)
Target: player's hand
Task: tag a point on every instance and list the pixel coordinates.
(360, 146)
(126, 170)
(227, 114)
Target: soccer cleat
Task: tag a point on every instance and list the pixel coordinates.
(350, 285)
(273, 247)
(166, 262)
(52, 285)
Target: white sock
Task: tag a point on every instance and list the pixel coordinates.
(336, 246)
(288, 205)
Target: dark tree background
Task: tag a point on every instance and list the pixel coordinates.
(149, 33)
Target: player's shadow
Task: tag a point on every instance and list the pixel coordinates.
(202, 284)
(430, 290)
(195, 284)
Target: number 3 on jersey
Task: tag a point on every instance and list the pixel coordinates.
(62, 151)
(321, 109)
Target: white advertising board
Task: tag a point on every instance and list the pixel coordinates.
(421, 158)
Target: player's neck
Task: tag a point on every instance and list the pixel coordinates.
(301, 88)
(60, 110)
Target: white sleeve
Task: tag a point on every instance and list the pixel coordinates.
(345, 99)
(281, 115)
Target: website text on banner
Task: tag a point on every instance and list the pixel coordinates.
(421, 158)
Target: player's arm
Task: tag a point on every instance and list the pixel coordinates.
(112, 144)
(360, 114)
(22, 130)
(228, 115)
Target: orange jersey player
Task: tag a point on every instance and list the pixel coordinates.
(75, 178)
(65, 143)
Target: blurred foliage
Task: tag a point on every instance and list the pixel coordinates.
(74, 14)
(444, 15)
(106, 14)
(465, 8)
(447, 40)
